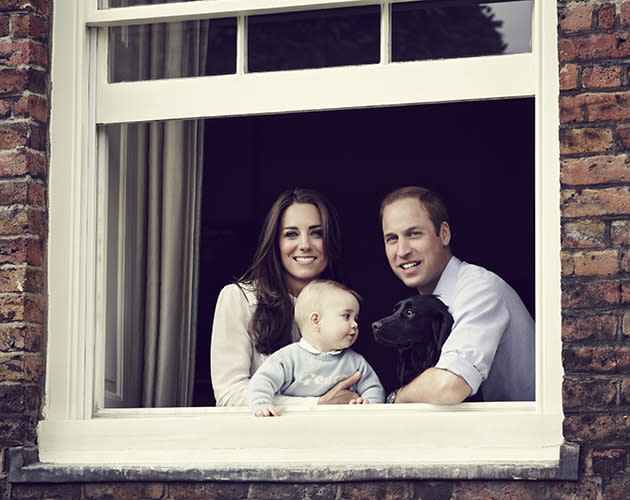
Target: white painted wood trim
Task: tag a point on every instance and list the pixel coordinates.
(317, 89)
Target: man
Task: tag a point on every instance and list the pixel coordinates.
(491, 345)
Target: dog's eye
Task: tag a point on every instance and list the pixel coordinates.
(410, 313)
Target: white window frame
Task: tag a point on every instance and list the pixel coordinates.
(392, 441)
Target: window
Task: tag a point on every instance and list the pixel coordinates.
(105, 110)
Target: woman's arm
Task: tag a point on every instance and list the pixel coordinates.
(231, 347)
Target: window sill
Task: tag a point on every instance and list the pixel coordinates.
(24, 468)
(323, 444)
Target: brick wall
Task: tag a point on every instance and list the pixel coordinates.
(24, 29)
(594, 52)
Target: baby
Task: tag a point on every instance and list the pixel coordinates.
(326, 313)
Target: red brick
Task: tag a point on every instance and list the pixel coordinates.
(607, 107)
(624, 13)
(625, 293)
(607, 15)
(599, 293)
(499, 490)
(20, 368)
(568, 77)
(617, 489)
(567, 264)
(14, 337)
(625, 392)
(595, 170)
(623, 135)
(586, 488)
(124, 491)
(590, 427)
(21, 221)
(4, 25)
(590, 360)
(22, 193)
(625, 326)
(13, 80)
(18, 251)
(600, 77)
(32, 105)
(589, 393)
(584, 234)
(567, 50)
(594, 326)
(596, 263)
(29, 26)
(585, 140)
(5, 107)
(21, 307)
(22, 163)
(595, 202)
(208, 490)
(576, 18)
(13, 135)
(572, 109)
(22, 53)
(21, 279)
(620, 232)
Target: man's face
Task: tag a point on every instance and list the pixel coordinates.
(416, 254)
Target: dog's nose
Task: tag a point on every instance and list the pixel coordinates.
(377, 325)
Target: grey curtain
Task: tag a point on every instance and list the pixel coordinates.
(155, 180)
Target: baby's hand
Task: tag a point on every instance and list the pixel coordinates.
(359, 401)
(267, 411)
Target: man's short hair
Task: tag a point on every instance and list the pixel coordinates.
(430, 200)
(309, 299)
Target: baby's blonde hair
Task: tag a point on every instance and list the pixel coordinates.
(309, 299)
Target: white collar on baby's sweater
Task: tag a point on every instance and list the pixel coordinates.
(310, 348)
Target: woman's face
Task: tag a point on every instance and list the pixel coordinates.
(302, 245)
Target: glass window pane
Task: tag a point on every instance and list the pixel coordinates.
(314, 39)
(172, 50)
(440, 30)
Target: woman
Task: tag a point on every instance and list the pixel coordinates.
(299, 242)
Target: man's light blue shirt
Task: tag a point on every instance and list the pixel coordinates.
(492, 342)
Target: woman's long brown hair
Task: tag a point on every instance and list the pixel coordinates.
(273, 319)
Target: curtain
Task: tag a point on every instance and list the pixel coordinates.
(158, 181)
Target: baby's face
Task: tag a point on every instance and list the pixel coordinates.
(338, 327)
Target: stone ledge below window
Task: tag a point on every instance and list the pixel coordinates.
(24, 467)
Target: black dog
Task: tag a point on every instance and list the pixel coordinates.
(417, 328)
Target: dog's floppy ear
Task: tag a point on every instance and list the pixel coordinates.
(442, 324)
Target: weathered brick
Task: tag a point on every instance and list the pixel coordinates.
(48, 491)
(22, 193)
(21, 279)
(600, 293)
(16, 398)
(124, 491)
(594, 326)
(586, 140)
(20, 221)
(375, 489)
(22, 163)
(620, 232)
(595, 170)
(19, 53)
(576, 18)
(625, 325)
(586, 488)
(17, 429)
(609, 461)
(201, 491)
(617, 488)
(584, 234)
(32, 106)
(13, 135)
(21, 251)
(21, 307)
(5, 108)
(13, 80)
(623, 136)
(590, 427)
(595, 202)
(589, 393)
(590, 360)
(607, 14)
(607, 107)
(595, 263)
(601, 77)
(624, 13)
(567, 264)
(569, 77)
(572, 109)
(18, 337)
(625, 392)
(29, 26)
(476, 490)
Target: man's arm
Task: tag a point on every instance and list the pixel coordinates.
(436, 386)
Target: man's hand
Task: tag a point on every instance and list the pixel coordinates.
(267, 411)
(436, 386)
(340, 395)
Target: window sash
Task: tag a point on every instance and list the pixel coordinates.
(73, 431)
